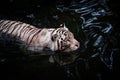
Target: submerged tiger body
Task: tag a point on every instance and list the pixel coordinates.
(35, 39)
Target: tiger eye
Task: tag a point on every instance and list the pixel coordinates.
(65, 34)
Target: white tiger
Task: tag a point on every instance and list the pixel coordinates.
(35, 39)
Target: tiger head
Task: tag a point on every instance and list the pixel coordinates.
(63, 40)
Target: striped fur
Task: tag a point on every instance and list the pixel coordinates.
(35, 39)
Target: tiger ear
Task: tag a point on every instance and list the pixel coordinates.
(54, 37)
(63, 25)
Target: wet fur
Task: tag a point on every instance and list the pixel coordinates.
(35, 39)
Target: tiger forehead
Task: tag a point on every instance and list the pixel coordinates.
(61, 30)
(67, 35)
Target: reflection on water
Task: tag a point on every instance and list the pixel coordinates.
(98, 45)
(91, 22)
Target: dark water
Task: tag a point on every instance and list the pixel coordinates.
(95, 24)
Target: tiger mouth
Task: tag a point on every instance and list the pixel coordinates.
(65, 47)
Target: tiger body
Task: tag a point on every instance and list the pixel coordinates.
(35, 39)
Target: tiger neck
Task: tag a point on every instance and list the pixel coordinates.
(43, 40)
(52, 45)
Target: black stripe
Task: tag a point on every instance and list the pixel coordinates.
(22, 29)
(29, 26)
(53, 31)
(29, 34)
(4, 25)
(8, 27)
(27, 30)
(61, 44)
(18, 29)
(58, 44)
(59, 30)
(63, 31)
(1, 22)
(15, 27)
(34, 35)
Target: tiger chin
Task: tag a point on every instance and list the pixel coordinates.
(36, 40)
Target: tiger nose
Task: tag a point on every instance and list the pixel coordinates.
(77, 44)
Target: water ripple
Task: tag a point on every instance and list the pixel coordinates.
(97, 31)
